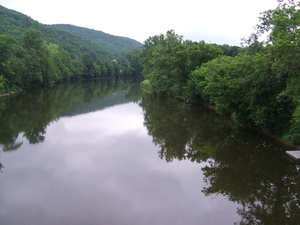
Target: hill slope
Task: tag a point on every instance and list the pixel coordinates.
(74, 39)
(115, 44)
(32, 53)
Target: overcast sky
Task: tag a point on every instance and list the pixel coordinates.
(214, 21)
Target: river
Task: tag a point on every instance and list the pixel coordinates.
(102, 152)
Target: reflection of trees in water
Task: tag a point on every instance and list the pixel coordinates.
(243, 165)
(267, 190)
(1, 165)
(30, 112)
(12, 146)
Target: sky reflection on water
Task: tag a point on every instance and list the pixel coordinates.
(103, 168)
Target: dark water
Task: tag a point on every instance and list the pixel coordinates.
(102, 152)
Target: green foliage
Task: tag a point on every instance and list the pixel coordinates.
(168, 61)
(14, 24)
(258, 85)
(2, 85)
(146, 83)
(246, 87)
(293, 134)
(230, 50)
(134, 58)
(221, 82)
(32, 60)
(158, 60)
(110, 43)
(32, 53)
(282, 47)
(146, 86)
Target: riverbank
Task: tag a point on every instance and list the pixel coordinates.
(146, 87)
(10, 93)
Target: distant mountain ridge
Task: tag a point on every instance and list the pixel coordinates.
(74, 39)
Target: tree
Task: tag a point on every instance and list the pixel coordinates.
(2, 85)
(159, 60)
(283, 45)
(88, 64)
(135, 62)
(38, 58)
(11, 65)
(168, 61)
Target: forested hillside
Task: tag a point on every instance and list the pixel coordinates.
(33, 53)
(14, 24)
(260, 86)
(114, 44)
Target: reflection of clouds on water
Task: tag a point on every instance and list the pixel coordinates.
(102, 124)
(105, 177)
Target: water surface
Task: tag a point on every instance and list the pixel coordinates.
(102, 152)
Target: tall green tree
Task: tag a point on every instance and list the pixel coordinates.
(259, 87)
(168, 61)
(134, 58)
(159, 60)
(283, 46)
(38, 58)
(12, 66)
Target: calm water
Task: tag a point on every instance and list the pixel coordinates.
(103, 153)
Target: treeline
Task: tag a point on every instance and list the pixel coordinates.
(257, 84)
(32, 53)
(32, 60)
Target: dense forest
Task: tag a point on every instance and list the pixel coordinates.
(115, 45)
(258, 84)
(32, 53)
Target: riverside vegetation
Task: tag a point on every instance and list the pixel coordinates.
(33, 54)
(257, 84)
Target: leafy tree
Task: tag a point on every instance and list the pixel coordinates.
(282, 28)
(221, 82)
(6, 49)
(293, 134)
(230, 50)
(11, 67)
(168, 61)
(134, 58)
(18, 68)
(159, 60)
(2, 85)
(88, 63)
(39, 66)
(259, 87)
